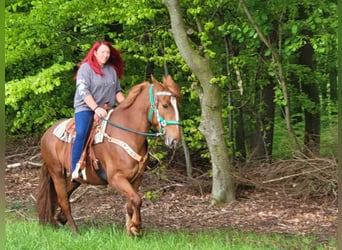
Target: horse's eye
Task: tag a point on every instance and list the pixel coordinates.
(165, 106)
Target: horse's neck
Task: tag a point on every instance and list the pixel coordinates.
(134, 117)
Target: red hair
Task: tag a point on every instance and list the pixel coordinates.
(115, 59)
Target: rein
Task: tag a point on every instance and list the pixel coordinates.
(162, 132)
(153, 109)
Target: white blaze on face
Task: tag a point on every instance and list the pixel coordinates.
(170, 140)
(174, 105)
(173, 102)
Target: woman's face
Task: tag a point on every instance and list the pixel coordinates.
(102, 54)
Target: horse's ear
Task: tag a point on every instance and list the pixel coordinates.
(167, 78)
(154, 80)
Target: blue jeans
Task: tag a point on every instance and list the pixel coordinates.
(83, 122)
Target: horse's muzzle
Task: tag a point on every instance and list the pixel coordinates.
(171, 142)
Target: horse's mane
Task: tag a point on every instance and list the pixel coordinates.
(168, 83)
(132, 95)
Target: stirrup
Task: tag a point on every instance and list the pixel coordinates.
(76, 173)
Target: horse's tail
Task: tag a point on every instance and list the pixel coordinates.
(46, 197)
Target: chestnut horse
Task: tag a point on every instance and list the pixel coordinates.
(124, 163)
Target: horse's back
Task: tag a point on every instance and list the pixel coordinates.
(52, 148)
(48, 137)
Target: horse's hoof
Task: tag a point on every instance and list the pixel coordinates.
(135, 231)
(60, 219)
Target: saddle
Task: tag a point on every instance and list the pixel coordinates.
(66, 132)
(88, 157)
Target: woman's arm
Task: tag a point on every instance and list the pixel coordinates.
(99, 111)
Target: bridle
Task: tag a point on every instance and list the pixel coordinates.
(154, 109)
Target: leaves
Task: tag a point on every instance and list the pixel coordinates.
(45, 40)
(43, 82)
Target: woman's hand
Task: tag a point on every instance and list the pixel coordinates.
(99, 112)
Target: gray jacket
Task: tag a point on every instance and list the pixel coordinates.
(102, 88)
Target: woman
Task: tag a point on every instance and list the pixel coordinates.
(97, 84)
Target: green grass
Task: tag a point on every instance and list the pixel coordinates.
(30, 235)
(282, 145)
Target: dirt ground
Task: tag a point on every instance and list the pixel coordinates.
(172, 201)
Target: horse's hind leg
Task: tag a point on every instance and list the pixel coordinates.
(71, 187)
(63, 202)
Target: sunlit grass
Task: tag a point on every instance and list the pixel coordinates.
(31, 235)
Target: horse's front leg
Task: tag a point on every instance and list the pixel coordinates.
(133, 218)
(133, 210)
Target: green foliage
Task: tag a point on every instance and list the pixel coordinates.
(152, 195)
(329, 127)
(43, 82)
(45, 41)
(31, 101)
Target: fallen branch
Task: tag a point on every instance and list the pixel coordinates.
(33, 198)
(298, 178)
(83, 192)
(15, 155)
(168, 186)
(35, 156)
(24, 164)
(293, 175)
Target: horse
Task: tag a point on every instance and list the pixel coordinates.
(147, 105)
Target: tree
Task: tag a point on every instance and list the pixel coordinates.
(211, 120)
(280, 77)
(312, 113)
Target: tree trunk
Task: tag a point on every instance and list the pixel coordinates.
(261, 140)
(312, 116)
(280, 78)
(211, 126)
(333, 84)
(187, 157)
(240, 145)
(268, 118)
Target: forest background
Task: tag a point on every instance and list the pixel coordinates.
(259, 79)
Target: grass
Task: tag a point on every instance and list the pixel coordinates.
(282, 145)
(32, 236)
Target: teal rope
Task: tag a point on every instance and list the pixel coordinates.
(161, 120)
(134, 131)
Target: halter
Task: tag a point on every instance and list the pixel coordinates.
(154, 109)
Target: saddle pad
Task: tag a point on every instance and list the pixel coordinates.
(61, 133)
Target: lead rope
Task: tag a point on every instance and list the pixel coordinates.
(172, 156)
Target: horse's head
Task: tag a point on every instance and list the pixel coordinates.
(164, 114)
